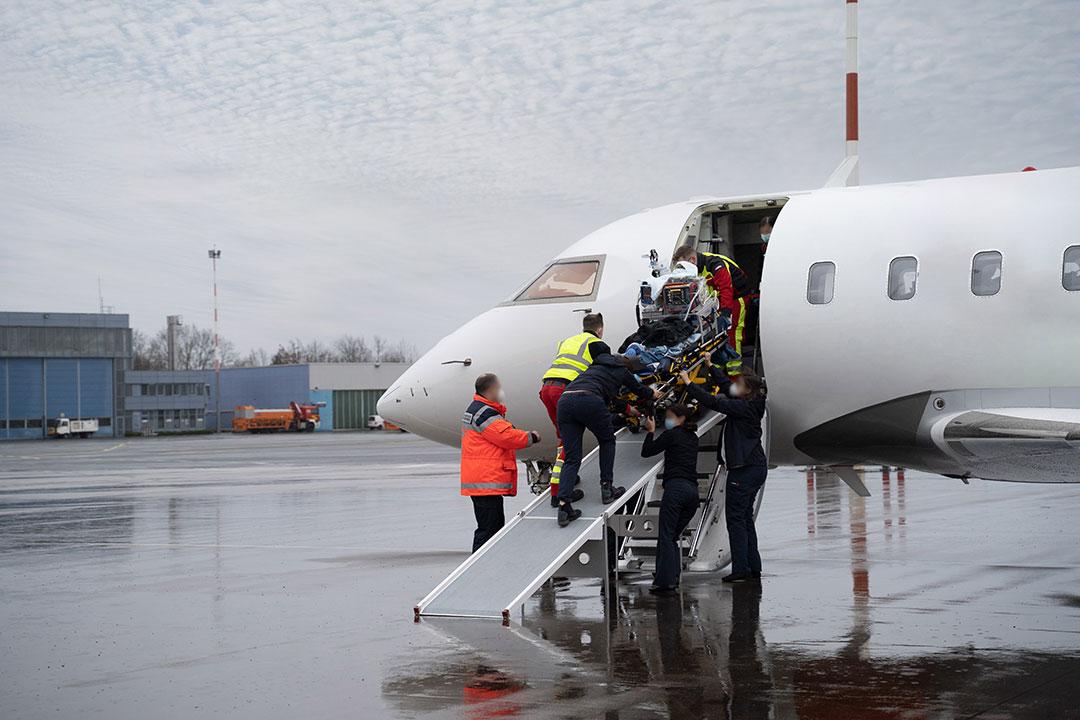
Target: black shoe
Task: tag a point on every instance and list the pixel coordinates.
(609, 494)
(736, 578)
(567, 514)
(657, 590)
(575, 496)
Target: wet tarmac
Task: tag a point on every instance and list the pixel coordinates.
(274, 576)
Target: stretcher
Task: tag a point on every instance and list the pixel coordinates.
(681, 296)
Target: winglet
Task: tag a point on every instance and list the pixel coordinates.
(851, 478)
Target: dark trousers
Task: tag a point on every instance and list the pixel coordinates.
(743, 484)
(677, 509)
(579, 412)
(489, 518)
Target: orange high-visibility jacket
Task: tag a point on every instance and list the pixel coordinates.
(488, 442)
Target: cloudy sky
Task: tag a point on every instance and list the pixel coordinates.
(397, 167)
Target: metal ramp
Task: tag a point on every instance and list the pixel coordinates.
(531, 548)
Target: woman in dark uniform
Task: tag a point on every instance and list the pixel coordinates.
(742, 400)
(679, 443)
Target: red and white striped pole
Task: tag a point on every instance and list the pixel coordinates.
(852, 87)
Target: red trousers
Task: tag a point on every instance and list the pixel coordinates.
(549, 395)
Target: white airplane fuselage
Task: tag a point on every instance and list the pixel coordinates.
(946, 381)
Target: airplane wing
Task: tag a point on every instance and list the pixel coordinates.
(1018, 444)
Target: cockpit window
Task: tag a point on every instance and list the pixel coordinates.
(563, 279)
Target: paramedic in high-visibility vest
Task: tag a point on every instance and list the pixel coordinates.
(732, 288)
(488, 462)
(574, 355)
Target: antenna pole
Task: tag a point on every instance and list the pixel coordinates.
(852, 88)
(214, 255)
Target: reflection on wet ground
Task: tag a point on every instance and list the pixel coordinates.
(835, 649)
(274, 576)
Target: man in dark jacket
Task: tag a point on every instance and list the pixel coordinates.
(747, 466)
(584, 406)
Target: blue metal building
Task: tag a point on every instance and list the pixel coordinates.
(349, 390)
(69, 364)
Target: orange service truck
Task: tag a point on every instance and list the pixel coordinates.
(297, 418)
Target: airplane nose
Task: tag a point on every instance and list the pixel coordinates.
(393, 405)
(409, 404)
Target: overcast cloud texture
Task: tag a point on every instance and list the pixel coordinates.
(397, 167)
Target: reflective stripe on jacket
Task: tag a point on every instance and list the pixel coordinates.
(572, 359)
(488, 442)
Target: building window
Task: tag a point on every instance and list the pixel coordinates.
(903, 275)
(16, 424)
(105, 422)
(1070, 269)
(35, 423)
(563, 280)
(820, 283)
(986, 273)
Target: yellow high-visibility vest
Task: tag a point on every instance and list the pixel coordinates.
(572, 359)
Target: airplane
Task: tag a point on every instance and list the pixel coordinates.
(932, 325)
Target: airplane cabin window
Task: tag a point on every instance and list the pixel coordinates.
(1070, 269)
(563, 280)
(903, 275)
(986, 273)
(820, 282)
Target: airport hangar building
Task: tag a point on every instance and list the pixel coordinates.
(80, 365)
(54, 364)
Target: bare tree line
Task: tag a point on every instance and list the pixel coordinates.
(347, 348)
(195, 350)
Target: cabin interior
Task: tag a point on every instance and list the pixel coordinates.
(732, 229)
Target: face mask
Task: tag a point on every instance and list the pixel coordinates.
(736, 391)
(670, 424)
(765, 237)
(500, 397)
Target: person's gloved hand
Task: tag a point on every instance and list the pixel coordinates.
(650, 424)
(534, 437)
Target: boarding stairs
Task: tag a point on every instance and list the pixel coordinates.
(701, 549)
(532, 548)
